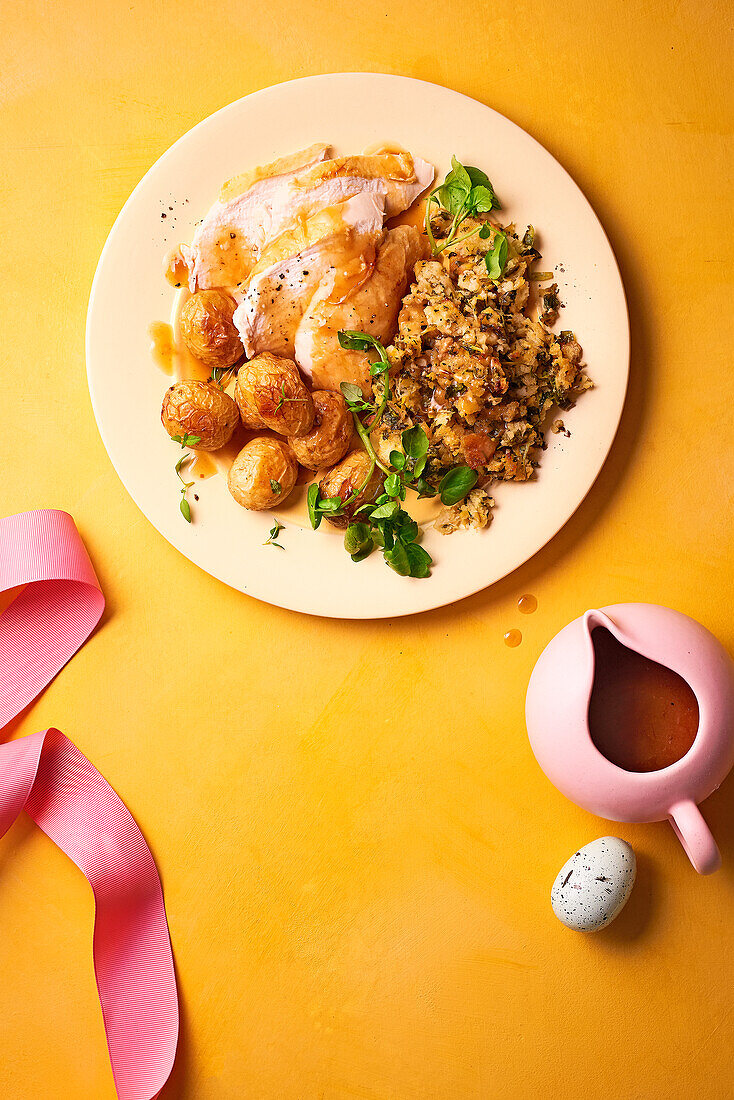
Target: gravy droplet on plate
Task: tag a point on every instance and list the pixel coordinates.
(527, 604)
(513, 638)
(162, 347)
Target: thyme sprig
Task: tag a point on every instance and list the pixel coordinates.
(284, 399)
(186, 441)
(273, 535)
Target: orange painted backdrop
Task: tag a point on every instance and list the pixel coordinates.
(356, 844)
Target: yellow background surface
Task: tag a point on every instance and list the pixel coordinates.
(356, 844)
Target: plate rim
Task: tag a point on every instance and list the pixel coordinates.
(439, 601)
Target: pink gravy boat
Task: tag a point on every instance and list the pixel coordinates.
(557, 708)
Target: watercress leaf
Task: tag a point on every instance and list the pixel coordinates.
(397, 459)
(185, 509)
(407, 528)
(397, 559)
(415, 442)
(362, 554)
(485, 231)
(312, 500)
(392, 485)
(385, 511)
(330, 504)
(419, 560)
(276, 486)
(377, 537)
(419, 466)
(460, 174)
(382, 499)
(456, 484)
(482, 199)
(455, 198)
(357, 538)
(351, 393)
(477, 176)
(355, 341)
(496, 258)
(424, 489)
(441, 195)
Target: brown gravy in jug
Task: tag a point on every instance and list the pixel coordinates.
(642, 716)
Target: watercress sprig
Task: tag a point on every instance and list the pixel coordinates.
(466, 191)
(384, 523)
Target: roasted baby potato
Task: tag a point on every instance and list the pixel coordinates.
(329, 438)
(207, 328)
(263, 474)
(270, 390)
(347, 478)
(199, 409)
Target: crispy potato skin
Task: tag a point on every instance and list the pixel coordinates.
(260, 461)
(270, 393)
(347, 478)
(207, 328)
(329, 438)
(200, 408)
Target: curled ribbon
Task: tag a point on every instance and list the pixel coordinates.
(46, 775)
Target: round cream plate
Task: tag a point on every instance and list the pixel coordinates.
(352, 111)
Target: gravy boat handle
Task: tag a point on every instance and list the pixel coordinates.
(695, 836)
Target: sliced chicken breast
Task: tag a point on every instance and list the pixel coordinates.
(239, 225)
(336, 242)
(405, 177)
(256, 207)
(370, 305)
(293, 162)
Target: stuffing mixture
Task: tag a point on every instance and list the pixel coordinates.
(477, 366)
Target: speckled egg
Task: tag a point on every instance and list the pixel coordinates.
(593, 886)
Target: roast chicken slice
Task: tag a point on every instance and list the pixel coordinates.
(369, 305)
(255, 208)
(406, 177)
(334, 243)
(239, 225)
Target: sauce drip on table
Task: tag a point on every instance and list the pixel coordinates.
(642, 716)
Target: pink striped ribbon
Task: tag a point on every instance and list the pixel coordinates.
(46, 775)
